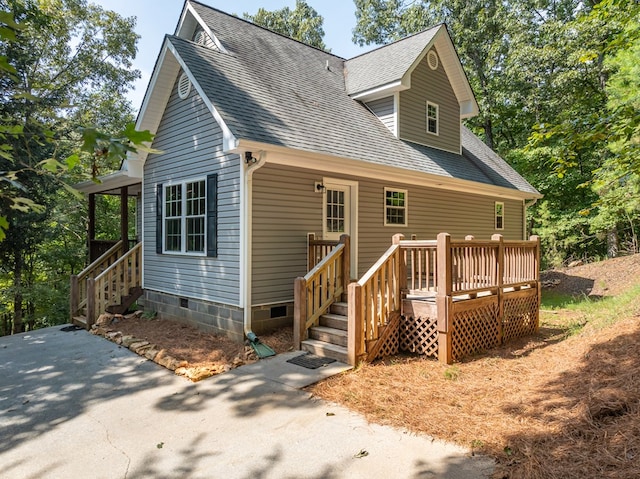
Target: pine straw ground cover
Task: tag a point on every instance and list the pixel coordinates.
(564, 404)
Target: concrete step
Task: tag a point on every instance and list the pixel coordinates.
(329, 335)
(339, 308)
(335, 321)
(327, 350)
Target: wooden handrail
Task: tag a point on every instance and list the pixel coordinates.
(372, 300)
(320, 288)
(115, 282)
(79, 290)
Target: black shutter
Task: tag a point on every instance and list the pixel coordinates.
(212, 215)
(159, 206)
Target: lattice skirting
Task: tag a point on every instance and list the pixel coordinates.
(520, 314)
(475, 326)
(391, 341)
(419, 335)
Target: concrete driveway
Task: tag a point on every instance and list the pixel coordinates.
(74, 405)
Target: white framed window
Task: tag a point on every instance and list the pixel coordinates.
(184, 217)
(432, 118)
(499, 213)
(395, 207)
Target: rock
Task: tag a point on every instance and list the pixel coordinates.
(112, 335)
(575, 263)
(237, 361)
(128, 340)
(164, 360)
(104, 319)
(140, 347)
(100, 330)
(195, 374)
(151, 353)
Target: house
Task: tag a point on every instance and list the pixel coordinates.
(265, 140)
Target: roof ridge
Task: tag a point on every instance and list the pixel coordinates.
(248, 22)
(380, 47)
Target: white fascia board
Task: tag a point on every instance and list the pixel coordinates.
(328, 163)
(206, 28)
(108, 182)
(229, 141)
(381, 91)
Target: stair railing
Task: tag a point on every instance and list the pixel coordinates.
(114, 283)
(320, 288)
(78, 291)
(373, 299)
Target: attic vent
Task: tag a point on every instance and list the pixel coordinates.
(199, 37)
(432, 60)
(184, 86)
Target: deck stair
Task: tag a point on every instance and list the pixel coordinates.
(329, 339)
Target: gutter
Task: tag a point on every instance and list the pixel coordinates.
(250, 165)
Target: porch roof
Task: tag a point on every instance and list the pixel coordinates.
(111, 184)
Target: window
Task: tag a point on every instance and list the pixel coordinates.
(499, 215)
(432, 118)
(395, 207)
(187, 214)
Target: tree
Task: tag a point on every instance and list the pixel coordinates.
(302, 23)
(63, 58)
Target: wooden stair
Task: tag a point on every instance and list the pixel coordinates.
(329, 339)
(126, 302)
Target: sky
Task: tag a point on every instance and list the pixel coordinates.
(156, 18)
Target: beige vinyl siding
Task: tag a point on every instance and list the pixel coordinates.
(286, 208)
(429, 85)
(385, 111)
(191, 142)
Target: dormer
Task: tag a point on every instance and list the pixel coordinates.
(416, 87)
(193, 27)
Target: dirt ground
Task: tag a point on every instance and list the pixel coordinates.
(549, 406)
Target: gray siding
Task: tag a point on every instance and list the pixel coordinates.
(191, 142)
(285, 209)
(384, 110)
(430, 85)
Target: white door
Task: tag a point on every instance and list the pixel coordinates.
(337, 206)
(339, 214)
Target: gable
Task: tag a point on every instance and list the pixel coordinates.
(429, 85)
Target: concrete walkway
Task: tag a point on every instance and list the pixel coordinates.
(76, 405)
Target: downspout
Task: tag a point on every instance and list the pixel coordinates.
(527, 204)
(251, 165)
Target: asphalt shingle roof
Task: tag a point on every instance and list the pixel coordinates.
(275, 90)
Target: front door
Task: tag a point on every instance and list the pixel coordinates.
(340, 213)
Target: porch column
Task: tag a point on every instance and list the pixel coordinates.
(124, 218)
(92, 220)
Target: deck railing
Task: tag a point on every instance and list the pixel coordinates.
(319, 288)
(318, 249)
(114, 283)
(450, 272)
(78, 294)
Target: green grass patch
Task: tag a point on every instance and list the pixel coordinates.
(576, 313)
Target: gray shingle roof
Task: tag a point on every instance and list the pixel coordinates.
(275, 90)
(386, 64)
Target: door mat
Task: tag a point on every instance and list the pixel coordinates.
(310, 361)
(73, 327)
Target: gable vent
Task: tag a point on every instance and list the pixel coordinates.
(184, 86)
(432, 60)
(199, 37)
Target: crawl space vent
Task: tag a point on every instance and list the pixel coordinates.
(432, 60)
(184, 86)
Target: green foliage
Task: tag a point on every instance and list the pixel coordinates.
(302, 23)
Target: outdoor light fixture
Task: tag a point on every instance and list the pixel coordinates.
(319, 187)
(248, 158)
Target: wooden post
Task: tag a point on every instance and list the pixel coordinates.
(74, 297)
(299, 312)
(124, 218)
(444, 303)
(500, 239)
(311, 251)
(355, 334)
(537, 277)
(91, 232)
(346, 263)
(91, 302)
(402, 269)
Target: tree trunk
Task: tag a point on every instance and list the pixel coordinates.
(612, 243)
(17, 296)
